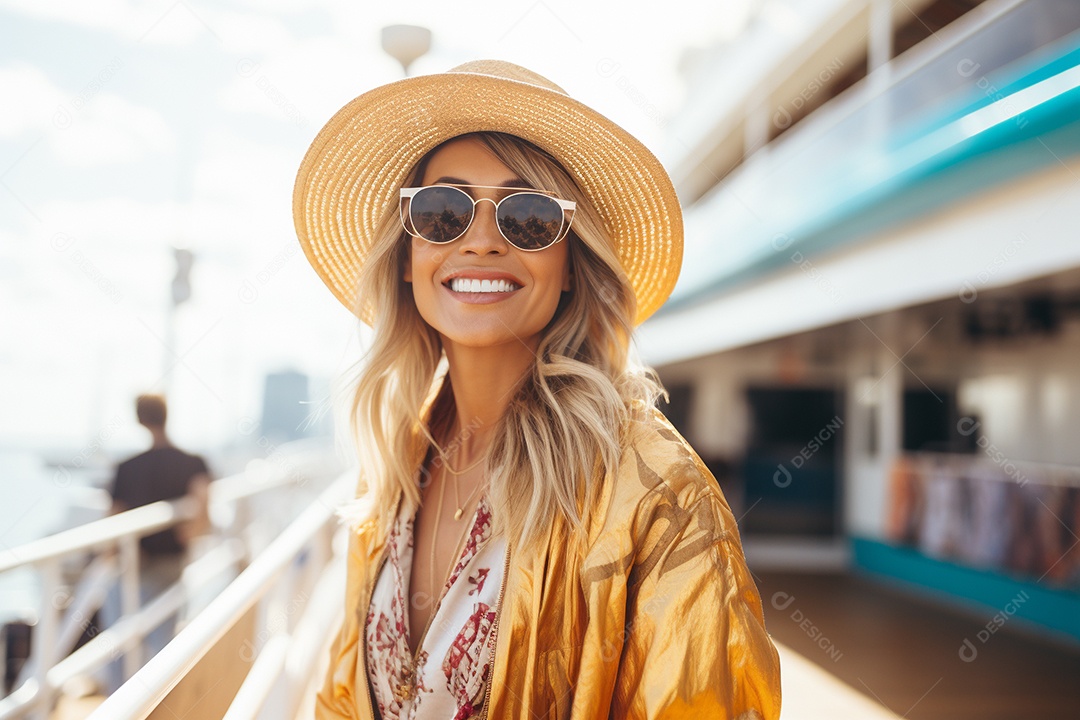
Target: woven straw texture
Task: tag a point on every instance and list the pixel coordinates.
(357, 162)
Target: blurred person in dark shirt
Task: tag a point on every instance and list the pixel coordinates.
(164, 472)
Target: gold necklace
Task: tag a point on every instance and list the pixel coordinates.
(410, 671)
(438, 515)
(431, 563)
(455, 473)
(446, 462)
(406, 690)
(457, 494)
(460, 507)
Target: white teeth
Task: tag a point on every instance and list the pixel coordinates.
(481, 286)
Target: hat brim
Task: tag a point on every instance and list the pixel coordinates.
(351, 173)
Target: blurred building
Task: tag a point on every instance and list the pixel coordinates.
(874, 339)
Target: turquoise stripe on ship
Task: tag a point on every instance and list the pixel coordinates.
(1025, 75)
(987, 593)
(1030, 121)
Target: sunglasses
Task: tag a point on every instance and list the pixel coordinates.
(529, 220)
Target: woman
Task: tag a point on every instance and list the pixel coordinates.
(573, 555)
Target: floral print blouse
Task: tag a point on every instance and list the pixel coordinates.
(447, 680)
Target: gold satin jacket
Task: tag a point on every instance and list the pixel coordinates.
(654, 616)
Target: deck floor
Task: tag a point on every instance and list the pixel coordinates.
(903, 651)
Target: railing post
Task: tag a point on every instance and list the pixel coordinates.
(43, 645)
(129, 597)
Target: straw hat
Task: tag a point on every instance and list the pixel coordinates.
(351, 173)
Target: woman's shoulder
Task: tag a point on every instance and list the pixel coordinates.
(661, 475)
(657, 454)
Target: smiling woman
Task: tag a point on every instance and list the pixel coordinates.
(503, 240)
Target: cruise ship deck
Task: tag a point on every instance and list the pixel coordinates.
(872, 343)
(901, 650)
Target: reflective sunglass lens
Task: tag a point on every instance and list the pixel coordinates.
(530, 221)
(440, 214)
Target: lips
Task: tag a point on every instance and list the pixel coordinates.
(467, 285)
(481, 287)
(481, 274)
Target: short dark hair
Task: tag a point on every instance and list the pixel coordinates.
(150, 410)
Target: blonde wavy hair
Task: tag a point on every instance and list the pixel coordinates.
(564, 425)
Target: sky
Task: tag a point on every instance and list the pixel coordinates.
(131, 128)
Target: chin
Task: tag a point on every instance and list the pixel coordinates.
(486, 334)
(481, 338)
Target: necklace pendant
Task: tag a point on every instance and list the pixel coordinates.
(404, 689)
(457, 514)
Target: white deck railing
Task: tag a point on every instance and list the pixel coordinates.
(112, 544)
(226, 662)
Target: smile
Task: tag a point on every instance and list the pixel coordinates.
(480, 292)
(467, 285)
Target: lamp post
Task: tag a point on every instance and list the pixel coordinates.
(181, 293)
(406, 43)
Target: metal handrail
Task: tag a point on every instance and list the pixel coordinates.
(259, 683)
(144, 520)
(98, 535)
(138, 697)
(294, 655)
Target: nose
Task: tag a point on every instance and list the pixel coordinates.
(483, 236)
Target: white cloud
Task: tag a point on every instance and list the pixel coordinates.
(243, 173)
(167, 22)
(83, 128)
(113, 130)
(158, 23)
(120, 222)
(307, 82)
(248, 33)
(239, 215)
(30, 99)
(276, 6)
